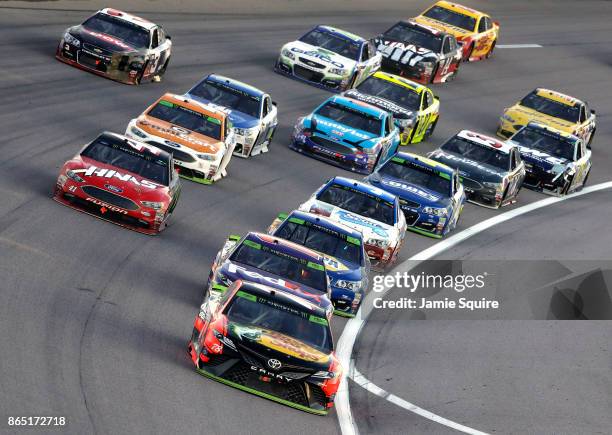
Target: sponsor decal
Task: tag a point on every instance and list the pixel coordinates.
(361, 221)
(407, 54)
(94, 171)
(460, 159)
(113, 188)
(342, 129)
(318, 55)
(274, 364)
(108, 38)
(105, 206)
(410, 188)
(378, 102)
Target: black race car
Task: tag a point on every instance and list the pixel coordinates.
(117, 45)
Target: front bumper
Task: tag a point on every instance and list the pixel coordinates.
(340, 155)
(541, 181)
(319, 78)
(425, 224)
(346, 302)
(478, 194)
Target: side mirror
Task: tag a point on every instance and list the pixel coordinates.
(233, 238)
(168, 36)
(593, 112)
(274, 103)
(282, 216)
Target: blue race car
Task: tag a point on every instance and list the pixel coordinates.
(431, 194)
(347, 133)
(263, 259)
(346, 260)
(252, 112)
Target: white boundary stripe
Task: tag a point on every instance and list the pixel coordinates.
(349, 335)
(518, 46)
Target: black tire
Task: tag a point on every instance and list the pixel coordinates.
(141, 73)
(351, 83)
(431, 128)
(588, 145)
(469, 54)
(162, 72)
(433, 73)
(377, 161)
(586, 178)
(490, 52)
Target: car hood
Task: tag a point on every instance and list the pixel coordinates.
(539, 158)
(409, 191)
(380, 102)
(337, 132)
(171, 133)
(320, 55)
(404, 52)
(523, 115)
(467, 167)
(102, 40)
(457, 32)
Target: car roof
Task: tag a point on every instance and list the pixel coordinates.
(359, 105)
(488, 141)
(142, 147)
(425, 162)
(362, 187)
(417, 87)
(325, 222)
(285, 246)
(557, 96)
(456, 7)
(138, 21)
(432, 30)
(236, 84)
(342, 33)
(212, 111)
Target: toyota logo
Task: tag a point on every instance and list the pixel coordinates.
(274, 364)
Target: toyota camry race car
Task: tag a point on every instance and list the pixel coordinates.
(123, 181)
(553, 109)
(430, 193)
(492, 172)
(474, 30)
(414, 107)
(329, 58)
(366, 208)
(556, 162)
(419, 52)
(199, 137)
(269, 343)
(347, 133)
(275, 262)
(117, 45)
(252, 112)
(346, 260)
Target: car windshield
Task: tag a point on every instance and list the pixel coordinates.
(360, 203)
(551, 107)
(184, 117)
(225, 95)
(404, 32)
(339, 45)
(551, 144)
(323, 240)
(247, 311)
(417, 175)
(453, 18)
(479, 153)
(398, 94)
(120, 155)
(131, 34)
(269, 260)
(350, 117)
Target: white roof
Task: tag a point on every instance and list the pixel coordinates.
(487, 141)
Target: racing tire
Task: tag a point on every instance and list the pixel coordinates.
(376, 161)
(588, 145)
(586, 178)
(162, 72)
(469, 53)
(431, 128)
(433, 74)
(490, 52)
(351, 83)
(141, 73)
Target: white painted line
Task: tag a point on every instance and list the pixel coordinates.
(518, 46)
(344, 349)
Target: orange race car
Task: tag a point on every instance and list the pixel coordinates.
(474, 30)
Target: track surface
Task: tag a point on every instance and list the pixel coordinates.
(95, 318)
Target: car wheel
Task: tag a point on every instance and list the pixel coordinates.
(591, 139)
(431, 127)
(433, 74)
(584, 182)
(141, 73)
(490, 52)
(162, 72)
(469, 53)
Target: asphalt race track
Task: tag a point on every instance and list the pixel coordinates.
(94, 319)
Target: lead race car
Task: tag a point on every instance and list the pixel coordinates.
(117, 45)
(329, 58)
(253, 114)
(556, 162)
(123, 181)
(366, 208)
(270, 343)
(419, 52)
(347, 133)
(492, 172)
(430, 193)
(199, 137)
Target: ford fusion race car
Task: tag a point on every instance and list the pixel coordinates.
(419, 52)
(556, 162)
(329, 58)
(275, 262)
(366, 208)
(252, 112)
(346, 261)
(199, 137)
(553, 109)
(492, 172)
(474, 30)
(117, 45)
(269, 343)
(414, 107)
(430, 193)
(123, 181)
(347, 133)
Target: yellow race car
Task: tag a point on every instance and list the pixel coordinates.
(475, 31)
(414, 107)
(552, 109)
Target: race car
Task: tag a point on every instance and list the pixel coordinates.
(275, 262)
(366, 208)
(347, 133)
(346, 261)
(270, 343)
(117, 45)
(123, 181)
(418, 52)
(198, 136)
(553, 109)
(474, 30)
(252, 112)
(414, 107)
(329, 58)
(492, 172)
(556, 162)
(430, 193)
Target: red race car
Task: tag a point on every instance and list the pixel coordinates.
(123, 181)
